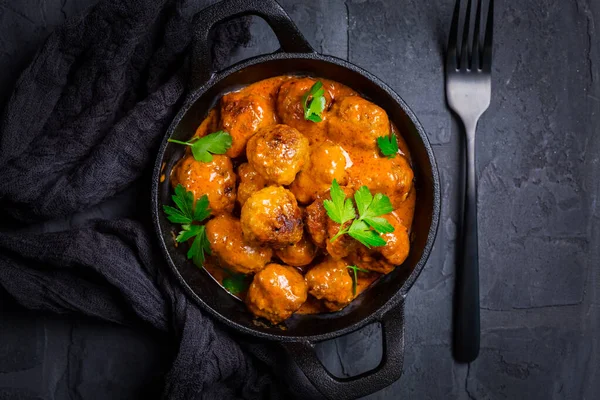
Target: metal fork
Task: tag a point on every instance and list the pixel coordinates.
(468, 92)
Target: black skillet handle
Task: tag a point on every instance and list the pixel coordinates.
(288, 35)
(387, 372)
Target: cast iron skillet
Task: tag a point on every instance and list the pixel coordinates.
(384, 302)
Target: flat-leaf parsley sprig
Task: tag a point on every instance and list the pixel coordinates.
(388, 145)
(354, 269)
(204, 147)
(339, 209)
(313, 102)
(186, 213)
(369, 224)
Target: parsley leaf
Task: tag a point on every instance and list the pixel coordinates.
(235, 283)
(388, 145)
(370, 209)
(339, 209)
(360, 231)
(354, 268)
(187, 212)
(203, 148)
(369, 224)
(200, 246)
(313, 102)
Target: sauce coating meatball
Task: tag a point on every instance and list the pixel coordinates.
(276, 292)
(328, 161)
(291, 111)
(390, 176)
(216, 179)
(278, 153)
(242, 115)
(298, 254)
(250, 182)
(272, 216)
(354, 121)
(227, 243)
(330, 281)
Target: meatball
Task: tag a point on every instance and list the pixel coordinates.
(390, 176)
(272, 216)
(216, 179)
(384, 259)
(291, 111)
(342, 245)
(397, 244)
(242, 115)
(327, 162)
(316, 219)
(278, 153)
(331, 281)
(354, 121)
(276, 292)
(298, 254)
(224, 234)
(250, 182)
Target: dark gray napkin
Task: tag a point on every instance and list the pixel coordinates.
(82, 126)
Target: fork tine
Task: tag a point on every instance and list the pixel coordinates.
(476, 49)
(451, 51)
(464, 50)
(486, 63)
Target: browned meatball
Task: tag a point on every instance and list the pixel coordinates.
(316, 219)
(354, 121)
(291, 110)
(298, 254)
(390, 176)
(276, 292)
(342, 245)
(242, 115)
(250, 182)
(216, 179)
(384, 259)
(330, 281)
(228, 245)
(327, 162)
(278, 153)
(272, 216)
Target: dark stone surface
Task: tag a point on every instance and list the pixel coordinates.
(538, 167)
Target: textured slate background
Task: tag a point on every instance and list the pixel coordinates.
(539, 184)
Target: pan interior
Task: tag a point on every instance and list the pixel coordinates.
(370, 303)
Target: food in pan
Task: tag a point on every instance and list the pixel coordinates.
(295, 194)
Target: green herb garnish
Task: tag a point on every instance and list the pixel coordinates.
(388, 145)
(369, 224)
(313, 102)
(339, 209)
(203, 148)
(235, 283)
(354, 268)
(186, 213)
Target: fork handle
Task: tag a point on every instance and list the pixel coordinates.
(467, 328)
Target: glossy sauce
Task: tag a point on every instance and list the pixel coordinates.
(342, 147)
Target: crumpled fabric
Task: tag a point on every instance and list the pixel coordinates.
(82, 127)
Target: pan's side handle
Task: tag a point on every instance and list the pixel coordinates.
(289, 37)
(387, 372)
